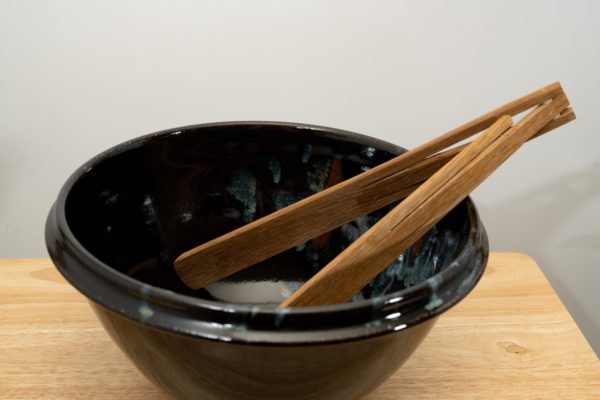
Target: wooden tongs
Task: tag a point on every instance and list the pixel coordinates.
(449, 175)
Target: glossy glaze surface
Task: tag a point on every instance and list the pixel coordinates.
(123, 217)
(191, 188)
(191, 368)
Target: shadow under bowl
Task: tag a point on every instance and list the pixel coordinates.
(123, 217)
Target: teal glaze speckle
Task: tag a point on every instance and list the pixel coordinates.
(435, 282)
(275, 167)
(283, 199)
(144, 308)
(425, 263)
(280, 316)
(435, 301)
(145, 312)
(368, 151)
(243, 187)
(385, 280)
(467, 283)
(380, 284)
(317, 175)
(306, 152)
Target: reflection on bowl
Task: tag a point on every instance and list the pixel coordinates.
(122, 218)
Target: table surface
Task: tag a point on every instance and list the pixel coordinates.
(511, 338)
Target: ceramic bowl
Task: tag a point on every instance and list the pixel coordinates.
(123, 217)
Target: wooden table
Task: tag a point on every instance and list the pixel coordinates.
(510, 339)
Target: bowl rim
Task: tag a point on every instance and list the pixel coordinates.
(181, 314)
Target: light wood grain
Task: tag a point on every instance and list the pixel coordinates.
(511, 338)
(52, 346)
(370, 254)
(330, 208)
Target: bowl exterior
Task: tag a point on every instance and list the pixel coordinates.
(195, 368)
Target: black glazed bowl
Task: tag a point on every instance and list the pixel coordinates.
(122, 218)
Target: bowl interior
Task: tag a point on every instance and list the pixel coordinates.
(143, 203)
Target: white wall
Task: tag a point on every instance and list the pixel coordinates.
(77, 77)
